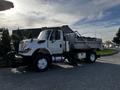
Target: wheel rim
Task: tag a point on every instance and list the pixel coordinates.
(42, 63)
(92, 57)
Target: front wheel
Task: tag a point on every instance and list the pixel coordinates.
(41, 63)
(91, 57)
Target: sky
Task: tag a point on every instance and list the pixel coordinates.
(94, 18)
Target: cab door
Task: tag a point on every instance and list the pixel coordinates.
(55, 42)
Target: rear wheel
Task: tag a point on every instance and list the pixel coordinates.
(91, 57)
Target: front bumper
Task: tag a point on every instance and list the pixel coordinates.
(17, 60)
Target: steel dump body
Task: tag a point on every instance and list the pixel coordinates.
(87, 45)
(82, 43)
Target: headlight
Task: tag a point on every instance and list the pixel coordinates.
(22, 46)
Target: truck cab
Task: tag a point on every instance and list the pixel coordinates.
(47, 48)
(49, 40)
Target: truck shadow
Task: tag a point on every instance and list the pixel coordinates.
(64, 68)
(102, 66)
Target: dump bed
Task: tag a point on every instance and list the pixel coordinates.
(77, 41)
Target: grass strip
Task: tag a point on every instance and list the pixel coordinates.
(106, 52)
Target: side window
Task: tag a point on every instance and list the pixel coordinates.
(52, 37)
(55, 35)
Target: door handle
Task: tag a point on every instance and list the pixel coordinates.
(60, 45)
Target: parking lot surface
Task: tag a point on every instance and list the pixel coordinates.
(102, 75)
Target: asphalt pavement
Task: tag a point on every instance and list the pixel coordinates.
(102, 75)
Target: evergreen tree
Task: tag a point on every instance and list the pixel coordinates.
(16, 40)
(0, 48)
(5, 42)
(20, 34)
(116, 39)
(5, 45)
(30, 35)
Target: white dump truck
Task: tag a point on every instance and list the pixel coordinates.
(57, 44)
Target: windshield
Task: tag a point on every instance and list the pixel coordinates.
(44, 35)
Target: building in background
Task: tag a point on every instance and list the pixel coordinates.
(34, 32)
(27, 33)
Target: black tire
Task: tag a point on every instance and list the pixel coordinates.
(41, 63)
(71, 59)
(72, 62)
(91, 57)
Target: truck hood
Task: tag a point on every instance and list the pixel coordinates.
(27, 43)
(32, 44)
